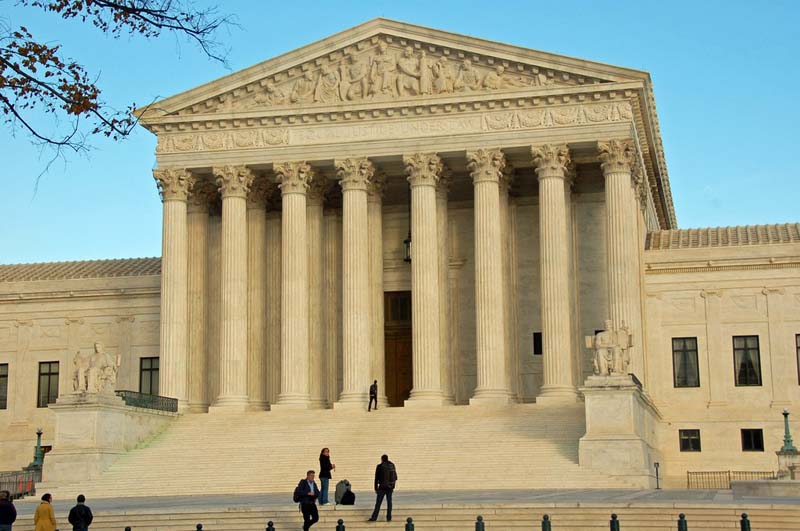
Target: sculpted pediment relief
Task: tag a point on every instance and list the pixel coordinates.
(386, 68)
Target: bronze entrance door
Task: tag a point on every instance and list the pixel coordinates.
(397, 316)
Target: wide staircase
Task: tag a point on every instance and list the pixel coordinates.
(467, 447)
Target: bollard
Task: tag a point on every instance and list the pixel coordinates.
(479, 525)
(613, 525)
(745, 522)
(683, 525)
(270, 526)
(409, 524)
(199, 527)
(340, 525)
(546, 525)
(128, 528)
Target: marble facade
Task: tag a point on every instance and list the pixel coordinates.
(537, 198)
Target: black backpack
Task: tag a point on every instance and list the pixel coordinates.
(298, 493)
(348, 498)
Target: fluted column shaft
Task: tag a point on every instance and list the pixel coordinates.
(273, 309)
(486, 168)
(294, 179)
(213, 308)
(333, 301)
(442, 232)
(505, 242)
(197, 279)
(354, 178)
(622, 249)
(316, 337)
(260, 191)
(424, 171)
(174, 185)
(552, 163)
(234, 183)
(375, 222)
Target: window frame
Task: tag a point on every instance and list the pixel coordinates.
(750, 432)
(149, 372)
(51, 377)
(757, 364)
(675, 383)
(4, 386)
(689, 433)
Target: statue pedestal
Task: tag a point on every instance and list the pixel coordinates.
(788, 464)
(620, 430)
(92, 430)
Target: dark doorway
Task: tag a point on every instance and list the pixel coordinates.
(397, 316)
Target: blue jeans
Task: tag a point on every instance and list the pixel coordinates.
(323, 493)
(381, 493)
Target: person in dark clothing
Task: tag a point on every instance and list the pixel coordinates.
(373, 395)
(385, 479)
(325, 468)
(8, 513)
(309, 492)
(80, 516)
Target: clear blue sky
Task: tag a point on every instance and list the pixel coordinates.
(725, 74)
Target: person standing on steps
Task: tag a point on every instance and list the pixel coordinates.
(44, 519)
(325, 468)
(373, 395)
(80, 516)
(8, 513)
(307, 493)
(385, 480)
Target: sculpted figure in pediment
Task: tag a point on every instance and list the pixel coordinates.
(383, 71)
(272, 95)
(354, 84)
(498, 80)
(468, 78)
(442, 76)
(303, 90)
(408, 73)
(425, 81)
(327, 89)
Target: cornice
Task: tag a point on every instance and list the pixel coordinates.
(709, 266)
(44, 296)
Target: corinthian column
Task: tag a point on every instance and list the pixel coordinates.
(316, 324)
(618, 158)
(551, 163)
(486, 167)
(203, 193)
(354, 178)
(505, 241)
(234, 184)
(424, 170)
(174, 185)
(442, 231)
(294, 179)
(260, 191)
(375, 224)
(273, 309)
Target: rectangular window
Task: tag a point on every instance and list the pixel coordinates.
(148, 376)
(48, 383)
(797, 348)
(689, 440)
(537, 344)
(685, 372)
(752, 440)
(3, 385)
(746, 360)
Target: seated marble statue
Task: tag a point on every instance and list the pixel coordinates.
(610, 348)
(103, 368)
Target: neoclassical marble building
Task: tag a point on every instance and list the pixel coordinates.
(446, 215)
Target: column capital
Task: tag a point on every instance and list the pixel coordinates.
(174, 184)
(203, 193)
(423, 169)
(317, 189)
(233, 181)
(260, 192)
(293, 177)
(445, 180)
(376, 187)
(486, 165)
(616, 155)
(551, 160)
(354, 173)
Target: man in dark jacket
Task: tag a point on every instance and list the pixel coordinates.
(385, 479)
(308, 493)
(80, 516)
(8, 513)
(373, 396)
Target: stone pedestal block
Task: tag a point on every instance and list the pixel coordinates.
(620, 430)
(92, 431)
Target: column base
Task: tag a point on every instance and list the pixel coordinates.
(319, 403)
(430, 399)
(291, 402)
(558, 394)
(258, 405)
(230, 403)
(352, 401)
(197, 407)
(490, 397)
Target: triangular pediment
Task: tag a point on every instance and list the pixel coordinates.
(383, 60)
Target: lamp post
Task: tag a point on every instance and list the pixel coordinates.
(38, 456)
(657, 465)
(788, 446)
(407, 241)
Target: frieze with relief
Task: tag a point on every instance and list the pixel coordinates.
(385, 68)
(550, 117)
